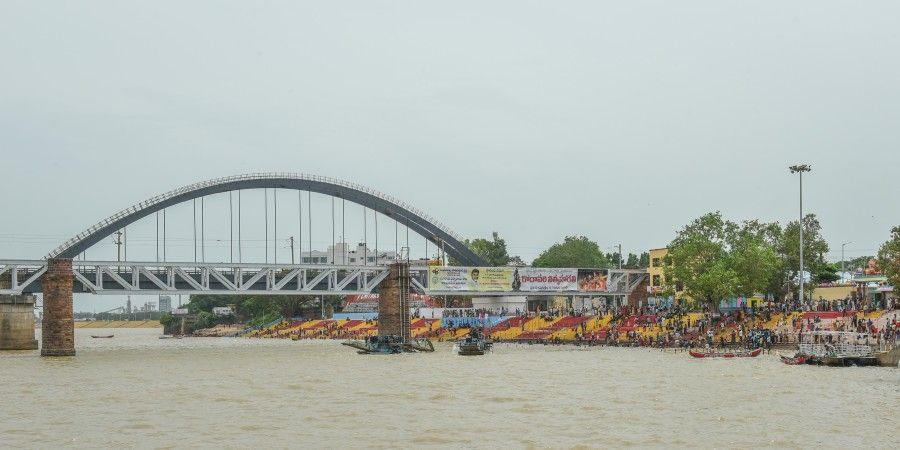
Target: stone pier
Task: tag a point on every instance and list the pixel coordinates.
(17, 323)
(58, 328)
(393, 302)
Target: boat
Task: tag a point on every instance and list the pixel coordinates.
(475, 344)
(727, 354)
(389, 345)
(105, 336)
(843, 349)
(793, 360)
(889, 358)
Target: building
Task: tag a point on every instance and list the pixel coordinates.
(223, 310)
(655, 269)
(165, 304)
(343, 254)
(658, 282)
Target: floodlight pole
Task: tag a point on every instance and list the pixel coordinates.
(843, 262)
(800, 168)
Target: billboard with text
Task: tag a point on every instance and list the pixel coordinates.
(470, 279)
(536, 279)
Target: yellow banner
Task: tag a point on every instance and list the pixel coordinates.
(470, 279)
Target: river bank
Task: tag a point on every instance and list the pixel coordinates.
(118, 324)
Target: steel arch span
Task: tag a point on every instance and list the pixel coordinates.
(403, 213)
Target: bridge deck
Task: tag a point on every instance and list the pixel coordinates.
(152, 278)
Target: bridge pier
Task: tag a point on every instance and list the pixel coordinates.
(17, 322)
(393, 302)
(58, 328)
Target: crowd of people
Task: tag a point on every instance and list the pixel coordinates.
(663, 325)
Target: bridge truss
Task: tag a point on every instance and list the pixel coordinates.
(153, 278)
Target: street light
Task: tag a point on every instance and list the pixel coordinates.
(800, 168)
(843, 261)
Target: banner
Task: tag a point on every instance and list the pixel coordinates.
(592, 280)
(533, 279)
(471, 279)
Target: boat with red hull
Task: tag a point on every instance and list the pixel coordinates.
(793, 361)
(727, 354)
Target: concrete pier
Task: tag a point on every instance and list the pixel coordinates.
(17, 323)
(58, 328)
(393, 302)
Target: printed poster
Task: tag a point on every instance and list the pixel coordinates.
(534, 279)
(592, 280)
(470, 279)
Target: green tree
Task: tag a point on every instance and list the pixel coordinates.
(574, 251)
(493, 251)
(827, 273)
(889, 257)
(814, 249)
(644, 260)
(858, 263)
(699, 262)
(753, 258)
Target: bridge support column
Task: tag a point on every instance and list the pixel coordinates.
(58, 328)
(393, 302)
(17, 323)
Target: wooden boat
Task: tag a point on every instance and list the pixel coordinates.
(474, 344)
(793, 360)
(727, 354)
(889, 358)
(105, 336)
(389, 345)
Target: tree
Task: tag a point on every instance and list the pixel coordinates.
(493, 251)
(827, 273)
(574, 251)
(753, 258)
(698, 261)
(644, 261)
(814, 249)
(889, 257)
(858, 263)
(632, 261)
(516, 261)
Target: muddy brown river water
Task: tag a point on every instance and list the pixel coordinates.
(136, 390)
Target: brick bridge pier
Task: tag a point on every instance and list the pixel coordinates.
(58, 328)
(393, 303)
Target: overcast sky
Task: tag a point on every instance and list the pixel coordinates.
(620, 121)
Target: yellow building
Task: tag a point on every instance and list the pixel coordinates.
(655, 270)
(657, 275)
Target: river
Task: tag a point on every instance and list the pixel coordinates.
(135, 390)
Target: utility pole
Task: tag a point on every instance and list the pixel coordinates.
(800, 168)
(118, 242)
(620, 255)
(291, 239)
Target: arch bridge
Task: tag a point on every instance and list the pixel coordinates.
(62, 273)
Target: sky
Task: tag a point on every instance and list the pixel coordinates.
(620, 121)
